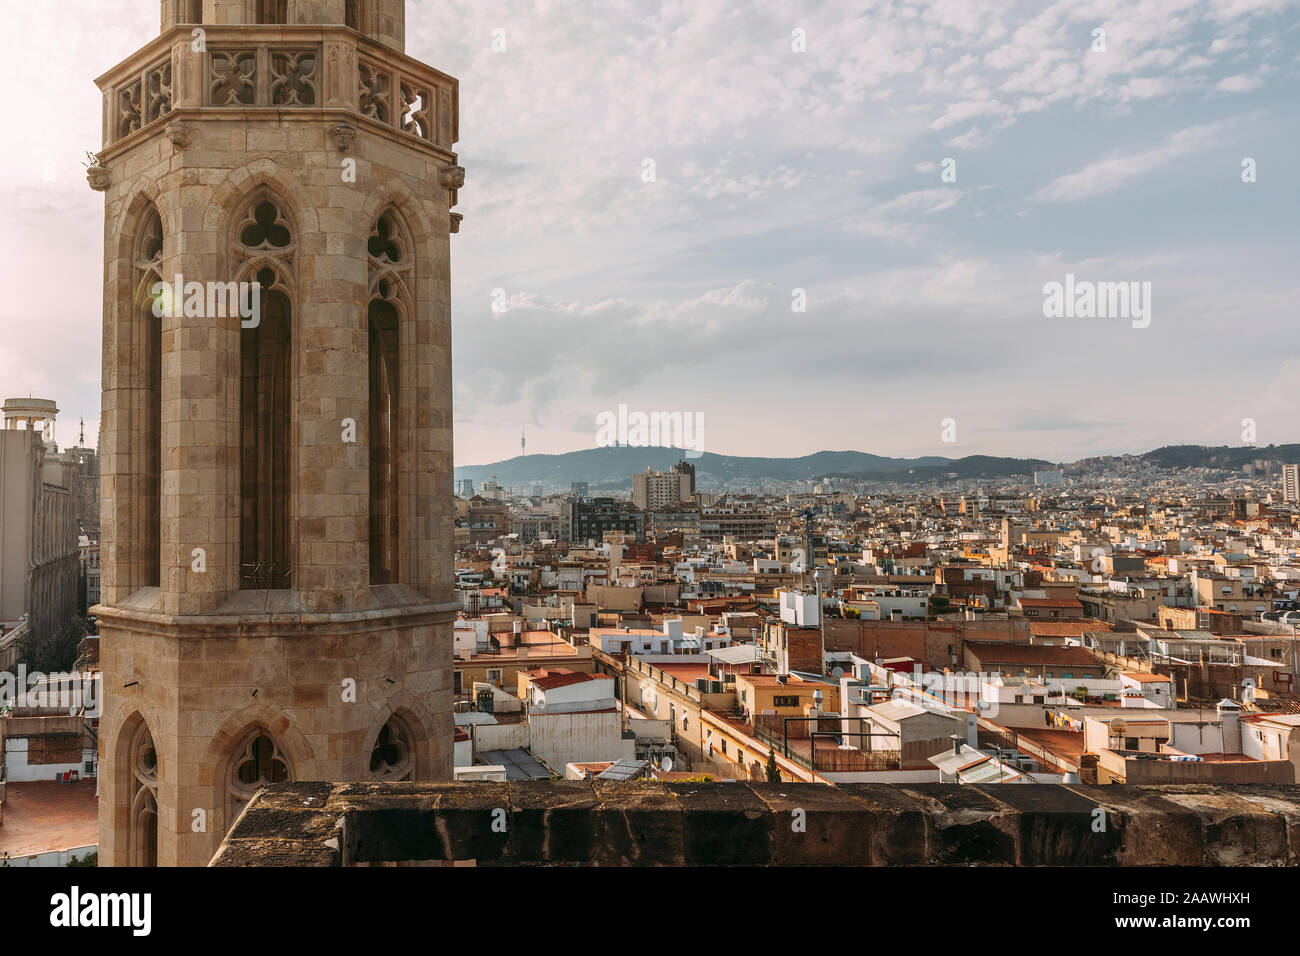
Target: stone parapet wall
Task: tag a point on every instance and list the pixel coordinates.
(550, 823)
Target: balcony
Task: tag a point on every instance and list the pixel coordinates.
(278, 71)
(820, 751)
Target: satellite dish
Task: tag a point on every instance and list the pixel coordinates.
(1118, 727)
(667, 765)
(837, 672)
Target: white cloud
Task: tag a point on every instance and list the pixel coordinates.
(775, 170)
(1240, 83)
(1118, 170)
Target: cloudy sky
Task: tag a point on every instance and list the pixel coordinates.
(793, 146)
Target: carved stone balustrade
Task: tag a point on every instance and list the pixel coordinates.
(255, 70)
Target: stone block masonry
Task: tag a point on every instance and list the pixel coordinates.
(593, 823)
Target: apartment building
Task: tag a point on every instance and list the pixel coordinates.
(39, 491)
(591, 520)
(652, 489)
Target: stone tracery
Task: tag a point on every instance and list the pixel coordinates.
(255, 762)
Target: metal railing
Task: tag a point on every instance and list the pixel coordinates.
(826, 760)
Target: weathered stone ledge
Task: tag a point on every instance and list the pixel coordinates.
(555, 823)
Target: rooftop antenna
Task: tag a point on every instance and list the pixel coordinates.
(82, 440)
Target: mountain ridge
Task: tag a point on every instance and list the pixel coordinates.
(611, 468)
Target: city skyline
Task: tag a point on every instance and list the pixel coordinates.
(312, 606)
(824, 173)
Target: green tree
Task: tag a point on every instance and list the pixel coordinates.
(773, 774)
(54, 652)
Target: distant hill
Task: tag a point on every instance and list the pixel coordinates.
(612, 468)
(1221, 456)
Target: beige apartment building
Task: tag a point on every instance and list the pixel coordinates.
(38, 530)
(652, 489)
(1226, 594)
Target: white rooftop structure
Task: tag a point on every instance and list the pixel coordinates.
(970, 766)
(737, 654)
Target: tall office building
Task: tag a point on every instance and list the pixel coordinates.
(38, 525)
(1291, 483)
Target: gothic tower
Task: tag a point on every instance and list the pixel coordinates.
(276, 472)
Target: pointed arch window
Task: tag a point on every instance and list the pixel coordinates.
(392, 757)
(147, 431)
(265, 400)
(389, 271)
(256, 762)
(143, 764)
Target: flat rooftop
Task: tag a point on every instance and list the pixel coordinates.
(519, 764)
(42, 815)
(685, 672)
(1066, 744)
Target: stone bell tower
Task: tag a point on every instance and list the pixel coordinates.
(276, 478)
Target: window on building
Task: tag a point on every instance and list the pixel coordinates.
(383, 438)
(265, 398)
(256, 762)
(144, 799)
(264, 442)
(148, 523)
(389, 271)
(272, 11)
(1130, 743)
(392, 757)
(785, 701)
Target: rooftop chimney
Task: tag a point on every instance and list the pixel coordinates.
(1088, 767)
